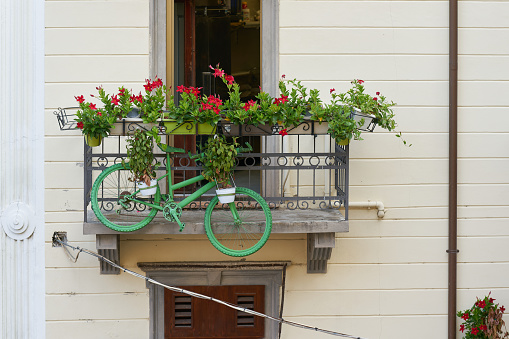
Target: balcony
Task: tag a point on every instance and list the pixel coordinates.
(303, 176)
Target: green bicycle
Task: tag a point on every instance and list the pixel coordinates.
(237, 229)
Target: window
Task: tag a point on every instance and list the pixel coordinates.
(254, 285)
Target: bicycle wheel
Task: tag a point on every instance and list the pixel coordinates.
(247, 234)
(111, 186)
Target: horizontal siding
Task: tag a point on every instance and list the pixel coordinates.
(106, 41)
(71, 307)
(387, 278)
(96, 69)
(86, 329)
(72, 14)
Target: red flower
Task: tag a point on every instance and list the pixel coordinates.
(229, 79)
(483, 327)
(284, 98)
(80, 99)
(92, 106)
(247, 106)
(133, 97)
(360, 81)
(332, 90)
(481, 304)
(465, 316)
(99, 114)
(121, 91)
(283, 76)
(114, 100)
(80, 125)
(475, 330)
(99, 88)
(217, 71)
(462, 327)
(139, 98)
(181, 88)
(492, 300)
(277, 101)
(502, 308)
(194, 90)
(375, 98)
(157, 83)
(283, 132)
(377, 93)
(148, 86)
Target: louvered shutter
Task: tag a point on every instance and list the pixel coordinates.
(187, 317)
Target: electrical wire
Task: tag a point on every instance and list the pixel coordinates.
(56, 238)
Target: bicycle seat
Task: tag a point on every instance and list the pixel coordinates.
(170, 149)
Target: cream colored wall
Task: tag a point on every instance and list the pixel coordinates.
(88, 43)
(387, 278)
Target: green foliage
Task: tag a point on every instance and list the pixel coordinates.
(294, 105)
(140, 154)
(219, 159)
(92, 121)
(483, 320)
(116, 105)
(152, 103)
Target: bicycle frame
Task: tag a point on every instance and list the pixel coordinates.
(172, 187)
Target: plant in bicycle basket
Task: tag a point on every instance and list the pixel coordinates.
(140, 154)
(218, 160)
(483, 320)
(93, 122)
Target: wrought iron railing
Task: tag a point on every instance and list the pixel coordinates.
(302, 170)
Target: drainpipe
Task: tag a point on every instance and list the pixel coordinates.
(369, 204)
(453, 168)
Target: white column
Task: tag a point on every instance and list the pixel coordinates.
(22, 288)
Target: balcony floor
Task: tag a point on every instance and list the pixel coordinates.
(283, 221)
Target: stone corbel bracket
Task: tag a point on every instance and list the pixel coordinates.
(108, 245)
(319, 248)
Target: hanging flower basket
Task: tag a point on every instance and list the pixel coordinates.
(148, 190)
(226, 195)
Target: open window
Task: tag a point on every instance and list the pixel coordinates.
(189, 35)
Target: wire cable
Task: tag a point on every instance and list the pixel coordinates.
(196, 295)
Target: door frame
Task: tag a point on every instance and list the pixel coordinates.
(269, 274)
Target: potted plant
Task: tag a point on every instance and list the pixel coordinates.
(218, 163)
(95, 124)
(152, 103)
(194, 114)
(141, 160)
(483, 320)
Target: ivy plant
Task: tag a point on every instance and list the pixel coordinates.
(219, 159)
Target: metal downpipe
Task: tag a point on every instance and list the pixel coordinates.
(453, 168)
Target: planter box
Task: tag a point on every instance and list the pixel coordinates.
(129, 125)
(187, 127)
(307, 127)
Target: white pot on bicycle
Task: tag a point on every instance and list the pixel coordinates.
(148, 190)
(226, 195)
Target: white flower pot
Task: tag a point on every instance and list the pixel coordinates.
(226, 195)
(144, 191)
